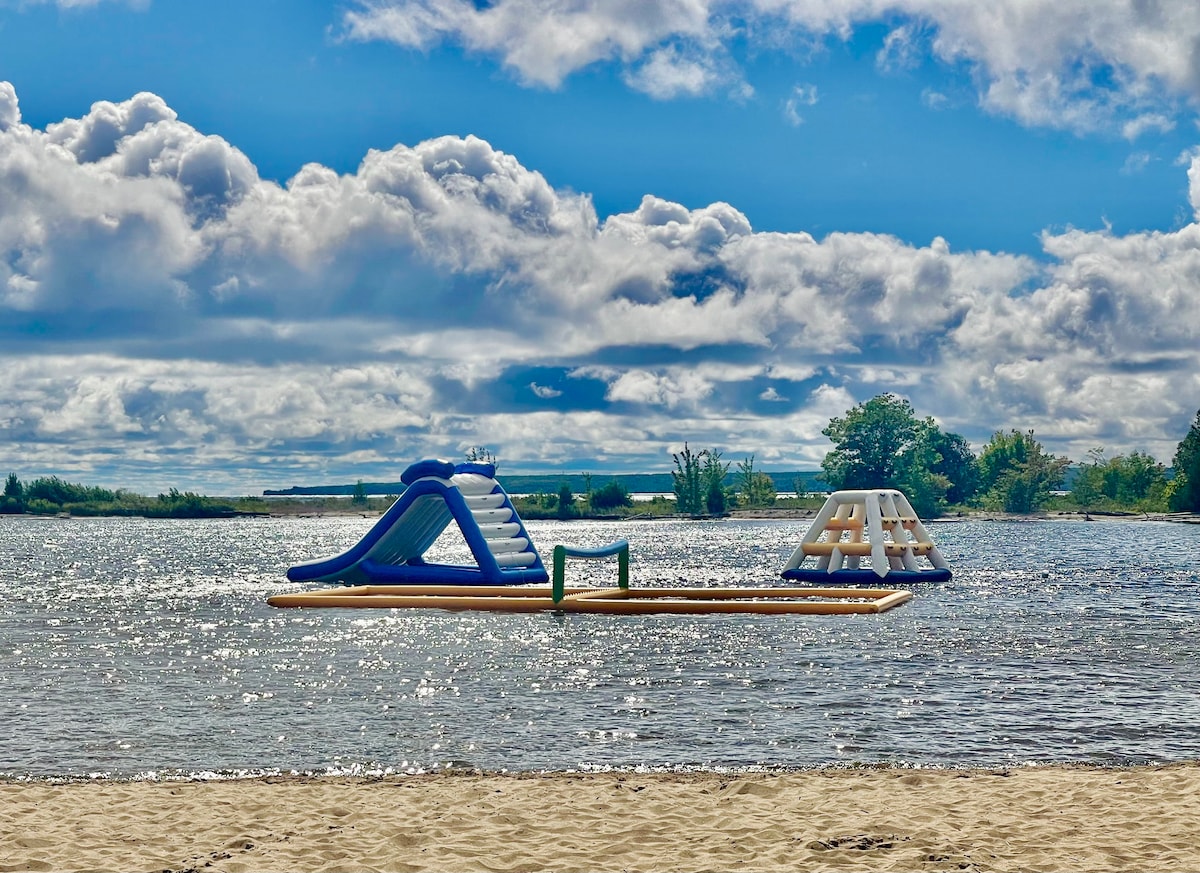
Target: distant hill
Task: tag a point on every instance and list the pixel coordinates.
(549, 483)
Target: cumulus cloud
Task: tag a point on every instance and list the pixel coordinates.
(542, 42)
(1192, 160)
(162, 307)
(10, 112)
(1074, 64)
(669, 72)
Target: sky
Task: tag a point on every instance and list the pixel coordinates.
(287, 242)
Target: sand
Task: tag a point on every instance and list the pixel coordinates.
(1027, 819)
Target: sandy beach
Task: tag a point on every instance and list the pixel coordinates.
(1027, 819)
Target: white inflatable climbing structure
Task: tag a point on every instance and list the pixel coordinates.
(865, 536)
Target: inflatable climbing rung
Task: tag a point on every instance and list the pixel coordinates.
(499, 531)
(516, 559)
(492, 516)
(484, 501)
(515, 544)
(844, 524)
(864, 549)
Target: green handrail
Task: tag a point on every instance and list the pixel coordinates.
(620, 548)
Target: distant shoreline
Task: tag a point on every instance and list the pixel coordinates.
(804, 514)
(296, 511)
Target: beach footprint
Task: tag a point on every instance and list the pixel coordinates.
(857, 842)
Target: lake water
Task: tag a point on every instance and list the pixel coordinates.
(131, 647)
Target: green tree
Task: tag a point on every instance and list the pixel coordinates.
(1003, 452)
(714, 482)
(957, 464)
(51, 489)
(611, 495)
(54, 490)
(566, 501)
(1133, 480)
(13, 487)
(1088, 487)
(868, 443)
(186, 504)
(1184, 492)
(359, 497)
(915, 471)
(762, 490)
(587, 488)
(882, 444)
(755, 488)
(1140, 478)
(1016, 474)
(14, 495)
(687, 480)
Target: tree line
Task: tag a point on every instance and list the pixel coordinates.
(49, 495)
(880, 443)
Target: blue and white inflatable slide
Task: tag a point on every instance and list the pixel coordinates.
(438, 493)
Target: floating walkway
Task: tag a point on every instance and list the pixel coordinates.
(621, 600)
(605, 601)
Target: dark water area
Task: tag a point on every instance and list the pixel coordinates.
(131, 647)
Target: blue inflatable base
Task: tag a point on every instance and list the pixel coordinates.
(865, 577)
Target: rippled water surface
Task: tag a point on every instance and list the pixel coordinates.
(131, 646)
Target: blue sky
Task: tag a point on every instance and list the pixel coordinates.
(253, 245)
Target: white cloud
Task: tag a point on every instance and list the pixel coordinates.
(935, 100)
(1192, 159)
(543, 42)
(668, 72)
(1135, 163)
(903, 47)
(162, 307)
(98, 133)
(639, 386)
(802, 95)
(1073, 64)
(10, 112)
(790, 372)
(1135, 127)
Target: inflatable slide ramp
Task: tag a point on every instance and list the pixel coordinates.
(437, 494)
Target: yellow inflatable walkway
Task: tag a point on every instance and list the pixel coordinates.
(607, 601)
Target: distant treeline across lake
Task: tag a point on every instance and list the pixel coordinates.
(549, 483)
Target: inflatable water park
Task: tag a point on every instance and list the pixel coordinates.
(859, 541)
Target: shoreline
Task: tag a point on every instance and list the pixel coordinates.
(805, 514)
(776, 514)
(1064, 817)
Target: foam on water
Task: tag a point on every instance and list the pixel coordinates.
(132, 647)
